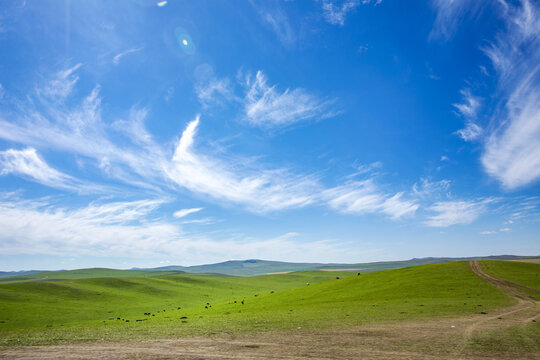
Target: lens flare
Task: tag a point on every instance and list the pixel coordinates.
(184, 41)
(162, 3)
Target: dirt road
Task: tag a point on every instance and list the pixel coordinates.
(435, 339)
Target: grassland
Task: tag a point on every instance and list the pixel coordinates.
(56, 311)
(522, 273)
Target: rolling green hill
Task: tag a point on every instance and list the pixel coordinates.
(258, 267)
(522, 273)
(34, 312)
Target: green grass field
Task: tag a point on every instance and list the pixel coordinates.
(522, 273)
(56, 311)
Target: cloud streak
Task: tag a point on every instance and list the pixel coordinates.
(267, 107)
(335, 12)
(512, 149)
(258, 189)
(131, 229)
(185, 212)
(118, 57)
(28, 164)
(448, 213)
(363, 197)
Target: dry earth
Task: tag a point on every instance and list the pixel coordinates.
(435, 339)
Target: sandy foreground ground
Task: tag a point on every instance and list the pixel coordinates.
(434, 339)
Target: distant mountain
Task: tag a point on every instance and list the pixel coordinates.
(18, 273)
(258, 267)
(238, 268)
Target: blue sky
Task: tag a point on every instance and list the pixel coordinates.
(138, 133)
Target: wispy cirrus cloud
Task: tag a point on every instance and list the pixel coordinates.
(267, 107)
(185, 212)
(364, 197)
(468, 109)
(276, 18)
(512, 149)
(125, 151)
(258, 189)
(133, 229)
(449, 15)
(335, 12)
(280, 24)
(61, 85)
(80, 130)
(118, 57)
(213, 91)
(28, 164)
(427, 189)
(511, 139)
(455, 212)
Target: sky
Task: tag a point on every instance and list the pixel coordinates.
(142, 133)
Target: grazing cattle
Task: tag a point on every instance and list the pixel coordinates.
(256, 295)
(235, 301)
(272, 291)
(337, 277)
(183, 317)
(127, 320)
(358, 274)
(206, 307)
(242, 302)
(307, 284)
(178, 308)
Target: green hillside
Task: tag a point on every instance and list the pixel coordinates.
(258, 267)
(522, 273)
(87, 274)
(33, 312)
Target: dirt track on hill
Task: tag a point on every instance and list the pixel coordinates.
(429, 340)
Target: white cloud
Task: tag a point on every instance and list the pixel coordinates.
(27, 163)
(118, 57)
(129, 229)
(470, 132)
(363, 169)
(512, 149)
(470, 105)
(125, 151)
(335, 12)
(81, 131)
(258, 189)
(450, 14)
(280, 25)
(61, 85)
(185, 212)
(267, 107)
(363, 197)
(488, 232)
(272, 15)
(427, 189)
(214, 91)
(112, 229)
(455, 212)
(468, 109)
(2, 92)
(505, 229)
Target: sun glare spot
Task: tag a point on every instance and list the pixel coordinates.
(162, 3)
(184, 42)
